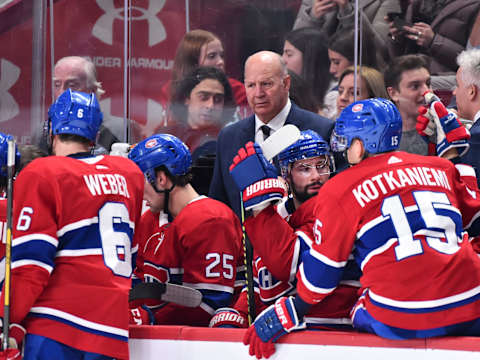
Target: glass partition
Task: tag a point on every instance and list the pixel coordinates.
(132, 43)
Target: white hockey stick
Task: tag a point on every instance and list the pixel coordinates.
(280, 140)
(178, 294)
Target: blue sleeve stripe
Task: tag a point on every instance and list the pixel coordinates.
(215, 300)
(208, 286)
(320, 274)
(327, 261)
(31, 237)
(35, 250)
(20, 263)
(310, 286)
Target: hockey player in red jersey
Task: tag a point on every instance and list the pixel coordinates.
(200, 248)
(402, 217)
(72, 254)
(306, 166)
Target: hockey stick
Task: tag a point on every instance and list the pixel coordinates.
(174, 293)
(8, 245)
(271, 147)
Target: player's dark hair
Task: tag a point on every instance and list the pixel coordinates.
(343, 42)
(392, 74)
(29, 153)
(74, 138)
(179, 180)
(182, 88)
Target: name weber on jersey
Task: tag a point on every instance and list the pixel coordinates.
(393, 180)
(99, 184)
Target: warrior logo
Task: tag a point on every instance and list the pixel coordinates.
(9, 74)
(103, 28)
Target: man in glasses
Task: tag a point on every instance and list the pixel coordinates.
(281, 234)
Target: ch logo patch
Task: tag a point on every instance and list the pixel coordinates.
(103, 28)
(9, 74)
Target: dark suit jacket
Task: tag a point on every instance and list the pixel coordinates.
(234, 136)
(472, 157)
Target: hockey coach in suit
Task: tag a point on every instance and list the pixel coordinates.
(267, 84)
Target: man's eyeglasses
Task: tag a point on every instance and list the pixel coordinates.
(323, 168)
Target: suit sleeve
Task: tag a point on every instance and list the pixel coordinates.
(468, 195)
(217, 185)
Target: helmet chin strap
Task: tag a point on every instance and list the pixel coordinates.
(167, 197)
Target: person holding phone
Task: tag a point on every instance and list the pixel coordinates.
(437, 28)
(333, 16)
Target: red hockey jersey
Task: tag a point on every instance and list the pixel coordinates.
(279, 248)
(402, 215)
(201, 249)
(72, 252)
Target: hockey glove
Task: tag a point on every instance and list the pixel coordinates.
(256, 177)
(228, 318)
(425, 124)
(450, 131)
(142, 315)
(15, 340)
(272, 323)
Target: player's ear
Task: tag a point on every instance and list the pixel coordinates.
(356, 151)
(161, 180)
(473, 91)
(393, 93)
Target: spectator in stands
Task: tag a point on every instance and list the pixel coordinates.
(202, 48)
(267, 85)
(79, 74)
(407, 78)
(334, 16)
(202, 104)
(474, 39)
(300, 93)
(305, 53)
(370, 84)
(342, 55)
(437, 28)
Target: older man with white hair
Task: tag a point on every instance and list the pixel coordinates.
(467, 94)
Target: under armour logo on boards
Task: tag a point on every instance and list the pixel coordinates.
(103, 28)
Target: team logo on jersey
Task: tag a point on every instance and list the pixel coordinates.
(357, 107)
(9, 74)
(151, 143)
(103, 28)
